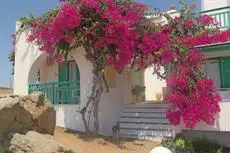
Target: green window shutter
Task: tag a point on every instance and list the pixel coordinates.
(225, 71)
(63, 72)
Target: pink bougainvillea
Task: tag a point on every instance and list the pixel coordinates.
(119, 34)
(51, 33)
(205, 20)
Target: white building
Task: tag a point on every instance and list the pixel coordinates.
(217, 67)
(68, 86)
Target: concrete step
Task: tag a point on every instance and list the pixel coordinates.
(145, 126)
(144, 120)
(145, 110)
(158, 139)
(144, 115)
(149, 133)
(149, 104)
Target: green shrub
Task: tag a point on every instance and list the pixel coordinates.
(178, 146)
(206, 146)
(182, 145)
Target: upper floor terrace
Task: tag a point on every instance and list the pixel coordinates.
(221, 16)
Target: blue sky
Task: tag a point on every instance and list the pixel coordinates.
(11, 10)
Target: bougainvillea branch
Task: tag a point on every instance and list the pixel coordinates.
(117, 33)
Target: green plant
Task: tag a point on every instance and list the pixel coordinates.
(138, 90)
(182, 145)
(178, 146)
(206, 146)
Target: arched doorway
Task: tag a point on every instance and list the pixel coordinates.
(147, 87)
(60, 82)
(155, 88)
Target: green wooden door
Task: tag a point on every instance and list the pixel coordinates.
(69, 88)
(225, 71)
(73, 75)
(69, 72)
(63, 87)
(63, 72)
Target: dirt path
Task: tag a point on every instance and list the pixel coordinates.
(82, 143)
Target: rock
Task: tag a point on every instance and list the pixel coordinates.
(33, 142)
(37, 97)
(21, 114)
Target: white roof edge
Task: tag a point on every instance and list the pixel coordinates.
(213, 44)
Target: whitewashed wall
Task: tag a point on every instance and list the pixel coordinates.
(25, 56)
(212, 4)
(29, 59)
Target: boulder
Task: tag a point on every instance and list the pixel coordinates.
(33, 142)
(20, 114)
(38, 97)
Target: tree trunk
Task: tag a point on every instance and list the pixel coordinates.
(93, 101)
(98, 84)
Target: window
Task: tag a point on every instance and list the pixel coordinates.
(225, 71)
(212, 69)
(218, 69)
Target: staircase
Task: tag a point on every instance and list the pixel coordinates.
(145, 121)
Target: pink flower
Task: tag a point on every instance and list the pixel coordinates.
(166, 29)
(13, 36)
(100, 43)
(195, 58)
(205, 20)
(149, 45)
(171, 79)
(167, 56)
(69, 39)
(189, 24)
(174, 117)
(68, 16)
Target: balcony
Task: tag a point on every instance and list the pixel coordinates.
(59, 92)
(221, 16)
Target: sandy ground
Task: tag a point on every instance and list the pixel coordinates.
(5, 91)
(81, 143)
